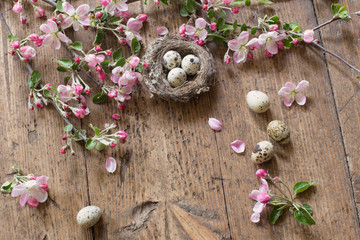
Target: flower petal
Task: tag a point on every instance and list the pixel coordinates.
(243, 37)
(122, 6)
(259, 207)
(18, 190)
(84, 20)
(67, 22)
(300, 99)
(238, 146)
(45, 28)
(255, 217)
(302, 86)
(203, 34)
(190, 30)
(68, 8)
(162, 30)
(42, 179)
(200, 23)
(215, 124)
(76, 26)
(284, 91)
(39, 194)
(234, 44)
(240, 56)
(63, 37)
(288, 100)
(291, 86)
(134, 25)
(110, 165)
(272, 47)
(24, 198)
(83, 9)
(253, 195)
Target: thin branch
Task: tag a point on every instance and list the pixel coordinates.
(338, 57)
(52, 3)
(326, 23)
(31, 70)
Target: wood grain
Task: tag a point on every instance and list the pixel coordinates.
(177, 179)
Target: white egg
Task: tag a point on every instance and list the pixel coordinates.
(258, 101)
(88, 216)
(190, 64)
(171, 60)
(263, 152)
(278, 131)
(176, 77)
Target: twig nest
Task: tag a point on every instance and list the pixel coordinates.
(263, 152)
(278, 131)
(88, 216)
(258, 101)
(200, 74)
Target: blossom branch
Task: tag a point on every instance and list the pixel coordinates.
(326, 23)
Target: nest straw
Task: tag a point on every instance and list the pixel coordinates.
(155, 76)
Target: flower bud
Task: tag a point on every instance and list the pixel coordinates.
(15, 44)
(183, 36)
(145, 65)
(98, 48)
(32, 178)
(263, 197)
(87, 91)
(17, 8)
(134, 62)
(12, 52)
(205, 7)
(98, 68)
(213, 26)
(309, 36)
(102, 76)
(122, 106)
(122, 135)
(296, 41)
(27, 52)
(34, 1)
(109, 52)
(80, 113)
(235, 10)
(274, 27)
(39, 104)
(250, 55)
(33, 37)
(113, 145)
(78, 89)
(39, 42)
(261, 173)
(44, 186)
(22, 20)
(63, 137)
(115, 116)
(227, 60)
(105, 2)
(121, 28)
(142, 17)
(280, 45)
(112, 94)
(200, 42)
(63, 150)
(182, 29)
(33, 203)
(122, 41)
(268, 54)
(99, 15)
(39, 12)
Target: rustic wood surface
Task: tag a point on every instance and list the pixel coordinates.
(177, 179)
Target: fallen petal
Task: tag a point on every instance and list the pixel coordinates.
(162, 30)
(238, 146)
(110, 164)
(215, 124)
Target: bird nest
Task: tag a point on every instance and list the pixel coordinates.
(155, 76)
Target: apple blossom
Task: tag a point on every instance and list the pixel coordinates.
(239, 47)
(17, 8)
(198, 31)
(292, 93)
(53, 36)
(39, 12)
(309, 36)
(238, 146)
(93, 59)
(27, 52)
(76, 18)
(119, 5)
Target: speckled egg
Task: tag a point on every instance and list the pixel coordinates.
(278, 131)
(176, 77)
(263, 152)
(190, 64)
(88, 216)
(258, 101)
(171, 60)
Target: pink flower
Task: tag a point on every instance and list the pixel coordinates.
(227, 2)
(238, 146)
(53, 36)
(269, 39)
(31, 190)
(182, 29)
(161, 30)
(93, 59)
(22, 19)
(292, 92)
(112, 94)
(34, 37)
(124, 94)
(77, 18)
(238, 45)
(197, 31)
(15, 44)
(17, 8)
(309, 36)
(65, 92)
(262, 197)
(122, 135)
(133, 27)
(118, 72)
(102, 76)
(110, 164)
(142, 17)
(39, 12)
(78, 89)
(80, 113)
(39, 42)
(27, 52)
(130, 78)
(213, 26)
(116, 5)
(105, 2)
(134, 62)
(215, 124)
(235, 10)
(115, 116)
(261, 173)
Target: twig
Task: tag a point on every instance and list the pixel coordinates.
(326, 23)
(31, 70)
(52, 3)
(338, 57)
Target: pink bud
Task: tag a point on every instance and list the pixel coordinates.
(250, 55)
(99, 14)
(66, 114)
(34, 37)
(112, 94)
(182, 29)
(205, 7)
(39, 42)
(17, 8)
(77, 60)
(113, 145)
(122, 135)
(31, 107)
(54, 19)
(122, 41)
(63, 137)
(268, 54)
(309, 36)
(261, 173)
(26, 60)
(85, 27)
(98, 68)
(105, 2)
(142, 17)
(213, 26)
(183, 36)
(28, 52)
(200, 42)
(296, 41)
(115, 116)
(39, 12)
(227, 60)
(32, 178)
(60, 15)
(98, 48)
(102, 76)
(39, 105)
(80, 113)
(109, 52)
(66, 107)
(134, 62)
(145, 65)
(33, 203)
(276, 179)
(34, 1)
(44, 186)
(263, 197)
(280, 45)
(121, 28)
(22, 20)
(274, 27)
(63, 150)
(157, 1)
(12, 52)
(227, 2)
(15, 44)
(87, 91)
(252, 47)
(205, 2)
(78, 89)
(122, 106)
(235, 10)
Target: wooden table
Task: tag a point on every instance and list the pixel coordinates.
(177, 179)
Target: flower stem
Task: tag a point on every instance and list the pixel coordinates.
(31, 70)
(326, 23)
(50, 2)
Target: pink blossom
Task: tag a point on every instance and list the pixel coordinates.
(77, 18)
(292, 92)
(124, 94)
(110, 164)
(309, 36)
(238, 146)
(227, 2)
(118, 72)
(102, 76)
(112, 94)
(296, 41)
(98, 15)
(197, 31)
(162, 30)
(215, 124)
(17, 8)
(27, 52)
(93, 59)
(15, 44)
(122, 135)
(66, 93)
(22, 19)
(39, 42)
(33, 203)
(268, 39)
(34, 37)
(235, 10)
(261, 173)
(105, 2)
(262, 197)
(134, 62)
(142, 17)
(116, 5)
(78, 89)
(122, 14)
(39, 12)
(130, 78)
(238, 45)
(133, 27)
(53, 36)
(182, 29)
(79, 113)
(31, 189)
(115, 116)
(213, 26)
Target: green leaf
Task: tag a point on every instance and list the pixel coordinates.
(226, 27)
(190, 6)
(265, 1)
(292, 26)
(77, 137)
(76, 46)
(15, 168)
(121, 62)
(165, 2)
(217, 38)
(274, 20)
(288, 42)
(86, 67)
(34, 79)
(100, 146)
(183, 11)
(344, 15)
(253, 30)
(303, 216)
(100, 98)
(66, 63)
(62, 69)
(235, 25)
(97, 131)
(243, 27)
(308, 208)
(135, 45)
(236, 2)
(335, 7)
(68, 128)
(275, 214)
(7, 187)
(75, 66)
(47, 93)
(13, 37)
(99, 37)
(90, 144)
(211, 13)
(247, 2)
(59, 6)
(220, 22)
(117, 54)
(302, 186)
(105, 65)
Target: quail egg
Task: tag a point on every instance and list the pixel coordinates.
(190, 64)
(176, 77)
(258, 101)
(171, 60)
(278, 131)
(263, 152)
(88, 216)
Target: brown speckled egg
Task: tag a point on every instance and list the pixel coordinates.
(278, 131)
(171, 60)
(176, 77)
(263, 152)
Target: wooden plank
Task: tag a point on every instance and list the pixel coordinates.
(32, 141)
(341, 38)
